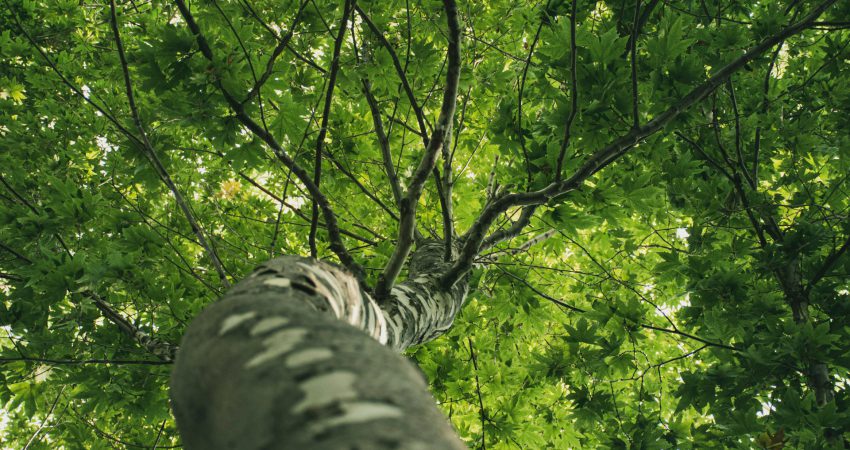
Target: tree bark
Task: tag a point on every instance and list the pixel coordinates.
(292, 358)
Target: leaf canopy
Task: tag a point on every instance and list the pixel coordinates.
(685, 296)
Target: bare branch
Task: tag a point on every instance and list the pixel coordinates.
(738, 138)
(642, 325)
(383, 141)
(46, 419)
(420, 117)
(828, 264)
(64, 362)
(511, 232)
(491, 180)
(519, 117)
(633, 58)
(279, 48)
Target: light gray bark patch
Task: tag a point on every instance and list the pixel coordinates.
(279, 282)
(324, 389)
(328, 288)
(268, 324)
(357, 412)
(309, 356)
(279, 343)
(233, 321)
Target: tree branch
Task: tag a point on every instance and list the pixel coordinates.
(633, 58)
(334, 234)
(407, 223)
(279, 48)
(383, 142)
(85, 361)
(519, 116)
(482, 412)
(46, 419)
(828, 264)
(565, 142)
(420, 117)
(154, 159)
(642, 325)
(613, 151)
(323, 129)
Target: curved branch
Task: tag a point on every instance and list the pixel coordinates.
(828, 264)
(565, 142)
(383, 141)
(279, 48)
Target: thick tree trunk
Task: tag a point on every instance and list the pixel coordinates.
(291, 358)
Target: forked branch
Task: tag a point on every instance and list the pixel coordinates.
(407, 223)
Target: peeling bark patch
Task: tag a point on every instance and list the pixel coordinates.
(268, 324)
(308, 356)
(231, 322)
(357, 412)
(325, 389)
(278, 282)
(277, 344)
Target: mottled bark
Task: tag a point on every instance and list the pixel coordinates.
(291, 358)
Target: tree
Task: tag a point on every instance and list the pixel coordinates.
(626, 222)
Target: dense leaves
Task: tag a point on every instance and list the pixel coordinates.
(693, 294)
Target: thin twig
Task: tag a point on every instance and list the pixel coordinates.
(63, 362)
(633, 53)
(828, 264)
(482, 412)
(46, 419)
(565, 142)
(411, 97)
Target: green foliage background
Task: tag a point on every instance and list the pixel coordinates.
(654, 316)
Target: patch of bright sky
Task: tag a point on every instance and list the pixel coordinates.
(766, 408)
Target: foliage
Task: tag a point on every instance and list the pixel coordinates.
(685, 296)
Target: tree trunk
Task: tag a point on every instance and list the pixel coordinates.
(291, 358)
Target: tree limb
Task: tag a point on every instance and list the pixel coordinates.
(334, 234)
(283, 42)
(154, 159)
(407, 223)
(613, 151)
(383, 142)
(565, 142)
(417, 110)
(828, 264)
(323, 129)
